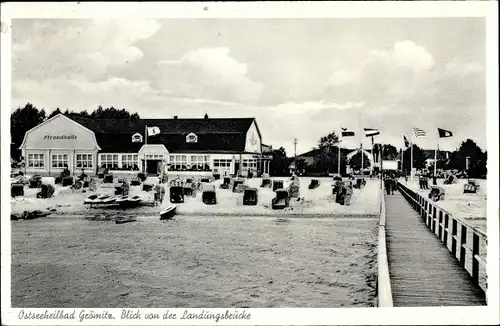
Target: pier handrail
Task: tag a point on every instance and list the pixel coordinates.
(438, 219)
(384, 291)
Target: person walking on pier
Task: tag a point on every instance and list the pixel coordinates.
(393, 183)
(388, 184)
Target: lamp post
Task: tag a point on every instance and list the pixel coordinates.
(467, 166)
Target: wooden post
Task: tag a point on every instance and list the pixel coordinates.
(429, 216)
(424, 216)
(434, 215)
(463, 240)
(446, 223)
(453, 237)
(475, 262)
(440, 225)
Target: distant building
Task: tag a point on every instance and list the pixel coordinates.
(207, 145)
(309, 157)
(429, 156)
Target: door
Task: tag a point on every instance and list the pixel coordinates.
(152, 166)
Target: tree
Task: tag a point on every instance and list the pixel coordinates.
(329, 140)
(478, 159)
(54, 113)
(389, 152)
(355, 161)
(279, 163)
(418, 158)
(326, 158)
(99, 113)
(22, 120)
(111, 113)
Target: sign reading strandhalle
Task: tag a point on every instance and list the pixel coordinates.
(70, 137)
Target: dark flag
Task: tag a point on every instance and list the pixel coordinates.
(407, 143)
(347, 133)
(444, 133)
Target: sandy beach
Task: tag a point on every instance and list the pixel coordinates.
(314, 202)
(194, 261)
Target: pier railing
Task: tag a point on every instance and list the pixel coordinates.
(466, 242)
(384, 291)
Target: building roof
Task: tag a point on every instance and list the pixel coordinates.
(214, 135)
(315, 151)
(266, 148)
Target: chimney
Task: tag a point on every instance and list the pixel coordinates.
(206, 116)
(176, 117)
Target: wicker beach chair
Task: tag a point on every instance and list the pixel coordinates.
(209, 196)
(277, 184)
(176, 194)
(266, 183)
(250, 196)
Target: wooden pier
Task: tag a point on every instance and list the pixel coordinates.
(422, 268)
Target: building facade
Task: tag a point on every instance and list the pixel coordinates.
(228, 146)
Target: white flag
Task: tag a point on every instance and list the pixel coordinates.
(153, 131)
(419, 132)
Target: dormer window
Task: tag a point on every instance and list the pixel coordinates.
(191, 138)
(137, 138)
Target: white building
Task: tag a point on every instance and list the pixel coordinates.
(204, 146)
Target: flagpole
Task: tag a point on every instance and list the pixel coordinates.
(411, 154)
(338, 159)
(361, 146)
(403, 161)
(373, 154)
(435, 154)
(145, 143)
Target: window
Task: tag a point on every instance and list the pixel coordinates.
(137, 138)
(178, 162)
(250, 164)
(222, 165)
(154, 156)
(191, 138)
(130, 162)
(200, 162)
(59, 160)
(36, 161)
(109, 161)
(84, 161)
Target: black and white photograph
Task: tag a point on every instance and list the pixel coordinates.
(212, 161)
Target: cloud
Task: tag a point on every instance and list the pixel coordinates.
(83, 48)
(300, 90)
(404, 86)
(74, 94)
(407, 54)
(209, 73)
(385, 72)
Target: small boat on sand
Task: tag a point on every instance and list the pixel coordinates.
(100, 200)
(122, 199)
(134, 199)
(129, 201)
(91, 199)
(105, 199)
(125, 219)
(168, 212)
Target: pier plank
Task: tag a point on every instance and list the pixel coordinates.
(423, 272)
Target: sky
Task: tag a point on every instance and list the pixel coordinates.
(301, 78)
